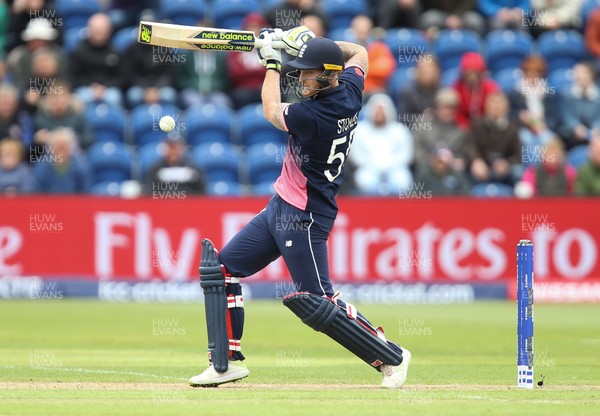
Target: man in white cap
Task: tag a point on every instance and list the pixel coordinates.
(39, 33)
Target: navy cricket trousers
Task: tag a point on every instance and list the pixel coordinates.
(283, 230)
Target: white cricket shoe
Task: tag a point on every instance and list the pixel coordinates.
(394, 377)
(211, 378)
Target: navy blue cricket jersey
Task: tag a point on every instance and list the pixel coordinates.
(320, 134)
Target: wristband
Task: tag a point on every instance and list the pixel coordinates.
(274, 64)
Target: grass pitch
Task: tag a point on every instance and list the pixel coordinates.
(86, 357)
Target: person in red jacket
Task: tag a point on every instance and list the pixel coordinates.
(246, 74)
(472, 87)
(592, 33)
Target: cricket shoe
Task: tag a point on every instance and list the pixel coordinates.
(211, 378)
(394, 377)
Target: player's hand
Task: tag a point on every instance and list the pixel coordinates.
(267, 55)
(295, 38)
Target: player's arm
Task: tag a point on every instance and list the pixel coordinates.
(273, 108)
(355, 55)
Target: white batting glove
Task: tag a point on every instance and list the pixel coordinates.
(295, 38)
(267, 55)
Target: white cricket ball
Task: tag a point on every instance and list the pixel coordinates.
(167, 123)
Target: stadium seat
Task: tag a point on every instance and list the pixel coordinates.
(507, 48)
(148, 155)
(230, 13)
(560, 79)
(264, 161)
(75, 13)
(263, 188)
(450, 76)
(208, 124)
(107, 189)
(218, 161)
(401, 77)
(124, 38)
(507, 78)
(492, 190)
(587, 9)
(578, 155)
(224, 188)
(110, 162)
(72, 38)
(144, 122)
(450, 45)
(341, 12)
(107, 122)
(406, 45)
(343, 33)
(183, 12)
(254, 128)
(562, 48)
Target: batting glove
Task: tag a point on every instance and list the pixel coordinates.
(295, 38)
(267, 55)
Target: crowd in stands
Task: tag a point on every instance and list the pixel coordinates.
(463, 97)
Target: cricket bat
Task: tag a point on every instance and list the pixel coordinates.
(199, 38)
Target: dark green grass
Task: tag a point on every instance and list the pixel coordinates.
(86, 357)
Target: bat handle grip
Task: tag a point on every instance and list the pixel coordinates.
(277, 44)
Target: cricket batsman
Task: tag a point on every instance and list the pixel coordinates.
(329, 77)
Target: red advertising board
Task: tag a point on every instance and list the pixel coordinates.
(384, 240)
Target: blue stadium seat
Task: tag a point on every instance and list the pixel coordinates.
(263, 188)
(208, 124)
(107, 189)
(342, 33)
(107, 122)
(492, 190)
(450, 45)
(562, 48)
(230, 13)
(218, 161)
(224, 188)
(72, 38)
(183, 12)
(561, 79)
(587, 9)
(264, 161)
(401, 77)
(144, 121)
(406, 45)
(124, 38)
(110, 162)
(508, 78)
(450, 76)
(266, 5)
(341, 12)
(254, 128)
(507, 48)
(578, 155)
(75, 13)
(148, 155)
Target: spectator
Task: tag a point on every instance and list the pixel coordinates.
(289, 14)
(440, 176)
(441, 132)
(15, 176)
(530, 102)
(174, 171)
(592, 33)
(382, 150)
(418, 97)
(315, 23)
(504, 14)
(124, 13)
(61, 171)
(22, 12)
(588, 175)
(554, 14)
(552, 177)
(60, 109)
(398, 13)
(381, 60)
(246, 74)
(145, 67)
(493, 146)
(454, 14)
(14, 123)
(95, 64)
(39, 34)
(579, 107)
(473, 87)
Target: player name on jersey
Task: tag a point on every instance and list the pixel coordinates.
(347, 123)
